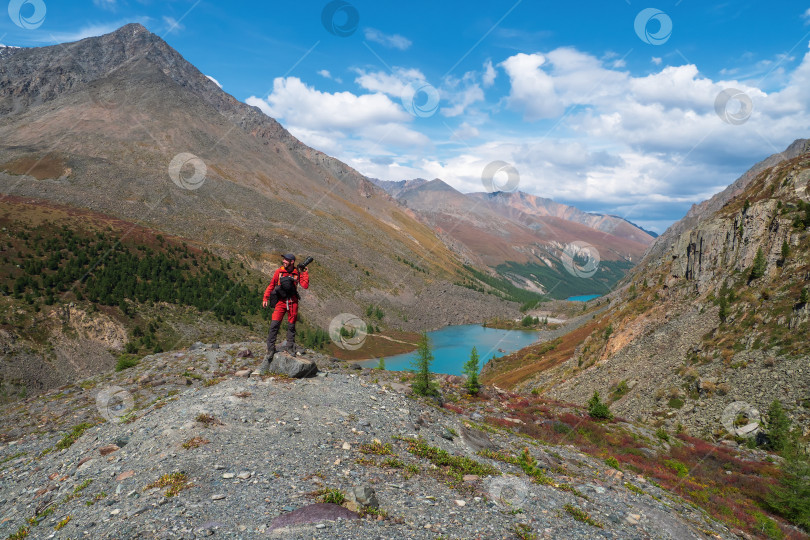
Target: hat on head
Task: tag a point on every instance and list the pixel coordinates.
(289, 256)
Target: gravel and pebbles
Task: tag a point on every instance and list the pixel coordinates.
(181, 447)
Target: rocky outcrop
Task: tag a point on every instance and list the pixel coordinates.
(296, 367)
(706, 209)
(696, 329)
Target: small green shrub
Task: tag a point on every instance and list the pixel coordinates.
(126, 361)
(680, 469)
(675, 403)
(331, 495)
(597, 409)
(767, 526)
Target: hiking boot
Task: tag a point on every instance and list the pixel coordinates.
(288, 348)
(264, 367)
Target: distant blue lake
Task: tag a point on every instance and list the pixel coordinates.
(583, 298)
(451, 347)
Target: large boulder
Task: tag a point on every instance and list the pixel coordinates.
(362, 497)
(293, 366)
(477, 440)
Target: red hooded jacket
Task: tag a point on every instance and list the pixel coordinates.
(303, 281)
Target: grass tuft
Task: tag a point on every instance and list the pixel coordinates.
(580, 515)
(175, 482)
(73, 436)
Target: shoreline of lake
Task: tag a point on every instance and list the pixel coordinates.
(451, 347)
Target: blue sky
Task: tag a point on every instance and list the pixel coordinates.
(633, 109)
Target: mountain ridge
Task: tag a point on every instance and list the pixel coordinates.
(701, 318)
(110, 112)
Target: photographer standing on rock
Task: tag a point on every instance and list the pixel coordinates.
(282, 296)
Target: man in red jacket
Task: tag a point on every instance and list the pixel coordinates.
(283, 290)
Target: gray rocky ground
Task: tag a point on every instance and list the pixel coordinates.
(252, 449)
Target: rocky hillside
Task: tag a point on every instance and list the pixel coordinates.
(525, 238)
(717, 314)
(80, 290)
(121, 131)
(185, 444)
(121, 124)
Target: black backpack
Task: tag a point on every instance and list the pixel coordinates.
(286, 288)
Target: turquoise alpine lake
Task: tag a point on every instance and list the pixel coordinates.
(583, 298)
(451, 348)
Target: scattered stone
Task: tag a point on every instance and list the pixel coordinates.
(347, 446)
(476, 439)
(217, 496)
(460, 502)
(121, 441)
(108, 449)
(228, 475)
(245, 353)
(124, 475)
(401, 388)
(243, 475)
(244, 373)
(632, 519)
(362, 497)
(470, 477)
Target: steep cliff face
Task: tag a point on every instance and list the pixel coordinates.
(706, 209)
(717, 313)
